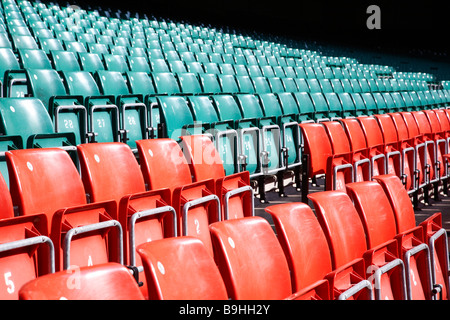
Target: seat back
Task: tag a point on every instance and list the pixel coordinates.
(99, 160)
(303, 242)
(355, 134)
(399, 200)
(110, 281)
(341, 224)
(378, 221)
(44, 181)
(372, 131)
(181, 269)
(163, 164)
(317, 145)
(250, 259)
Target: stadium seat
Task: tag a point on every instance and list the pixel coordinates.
(64, 60)
(308, 254)
(144, 216)
(234, 190)
(195, 202)
(334, 209)
(319, 158)
(132, 109)
(433, 232)
(110, 281)
(83, 234)
(181, 269)
(266, 274)
(34, 59)
(67, 112)
(11, 75)
(380, 226)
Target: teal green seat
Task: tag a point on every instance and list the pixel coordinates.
(314, 85)
(369, 101)
(28, 118)
(194, 67)
(175, 117)
(165, 83)
(90, 61)
(409, 103)
(138, 64)
(245, 84)
(289, 84)
(334, 105)
(399, 102)
(382, 107)
(48, 45)
(325, 85)
(348, 106)
(132, 109)
(67, 112)
(12, 78)
(97, 48)
(248, 141)
(189, 83)
(228, 83)
(64, 60)
(74, 46)
(23, 42)
(103, 114)
(290, 132)
(158, 65)
(322, 111)
(390, 104)
(225, 136)
(34, 59)
(177, 66)
(114, 62)
(360, 106)
(306, 106)
(261, 85)
(275, 84)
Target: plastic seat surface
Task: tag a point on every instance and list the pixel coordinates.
(181, 269)
(110, 281)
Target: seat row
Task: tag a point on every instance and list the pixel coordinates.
(55, 217)
(412, 145)
(379, 254)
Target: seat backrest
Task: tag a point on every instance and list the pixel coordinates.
(372, 131)
(250, 259)
(341, 224)
(97, 163)
(250, 106)
(110, 281)
(111, 83)
(163, 164)
(81, 83)
(43, 181)
(400, 201)
(434, 121)
(34, 59)
(303, 242)
(203, 109)
(400, 125)
(423, 123)
(175, 114)
(355, 134)
(388, 128)
(378, 220)
(24, 117)
(317, 145)
(181, 269)
(227, 107)
(411, 124)
(140, 83)
(45, 83)
(202, 157)
(338, 138)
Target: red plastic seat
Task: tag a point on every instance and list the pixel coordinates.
(250, 259)
(308, 256)
(380, 226)
(110, 281)
(47, 181)
(233, 190)
(26, 252)
(320, 159)
(347, 241)
(433, 233)
(195, 203)
(343, 152)
(110, 171)
(362, 152)
(181, 269)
